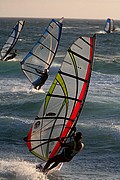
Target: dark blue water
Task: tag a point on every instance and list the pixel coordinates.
(99, 120)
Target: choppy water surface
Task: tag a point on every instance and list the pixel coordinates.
(99, 120)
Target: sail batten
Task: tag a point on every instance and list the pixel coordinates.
(82, 57)
(86, 42)
(74, 77)
(52, 35)
(56, 117)
(47, 48)
(42, 54)
(37, 58)
(64, 97)
(64, 101)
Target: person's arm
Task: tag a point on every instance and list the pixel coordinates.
(63, 144)
(73, 131)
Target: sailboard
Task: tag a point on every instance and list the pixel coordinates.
(109, 26)
(11, 41)
(40, 168)
(37, 62)
(64, 101)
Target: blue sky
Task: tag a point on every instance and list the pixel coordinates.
(81, 9)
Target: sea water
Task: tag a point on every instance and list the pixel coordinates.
(100, 118)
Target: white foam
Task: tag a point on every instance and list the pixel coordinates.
(101, 32)
(21, 39)
(14, 59)
(20, 169)
(70, 27)
(117, 29)
(17, 85)
(116, 127)
(13, 118)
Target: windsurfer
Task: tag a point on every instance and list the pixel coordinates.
(69, 151)
(41, 80)
(11, 55)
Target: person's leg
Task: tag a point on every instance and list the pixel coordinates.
(47, 164)
(50, 161)
(59, 159)
(56, 159)
(54, 165)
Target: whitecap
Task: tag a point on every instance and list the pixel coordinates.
(20, 169)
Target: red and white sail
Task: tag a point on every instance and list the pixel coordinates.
(64, 100)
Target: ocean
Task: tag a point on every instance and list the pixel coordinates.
(100, 118)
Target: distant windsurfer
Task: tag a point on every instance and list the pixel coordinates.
(69, 151)
(109, 26)
(41, 80)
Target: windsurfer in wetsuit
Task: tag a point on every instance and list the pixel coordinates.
(41, 80)
(11, 55)
(69, 151)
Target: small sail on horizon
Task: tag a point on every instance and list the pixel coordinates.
(37, 62)
(109, 26)
(64, 101)
(6, 52)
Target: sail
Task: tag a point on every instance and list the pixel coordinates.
(112, 25)
(64, 101)
(109, 26)
(37, 62)
(12, 40)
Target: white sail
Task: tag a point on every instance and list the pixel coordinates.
(109, 26)
(64, 101)
(37, 62)
(12, 40)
